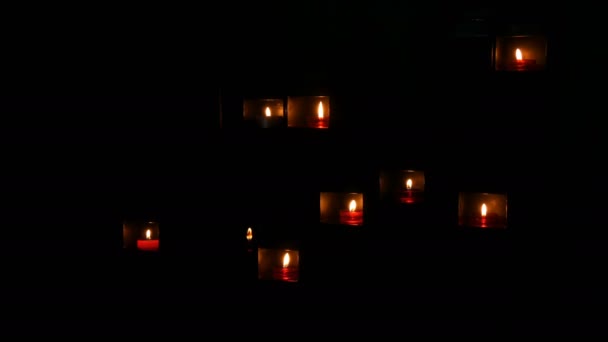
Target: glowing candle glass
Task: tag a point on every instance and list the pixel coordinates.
(265, 113)
(482, 210)
(520, 53)
(341, 208)
(406, 186)
(279, 264)
(143, 236)
(308, 111)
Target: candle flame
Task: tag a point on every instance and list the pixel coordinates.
(286, 260)
(249, 234)
(148, 234)
(267, 111)
(320, 111)
(408, 184)
(518, 55)
(352, 206)
(484, 210)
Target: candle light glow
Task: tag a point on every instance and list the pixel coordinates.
(148, 243)
(286, 260)
(267, 112)
(249, 234)
(353, 216)
(320, 111)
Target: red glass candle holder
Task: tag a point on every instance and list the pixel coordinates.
(308, 111)
(482, 210)
(341, 208)
(403, 186)
(279, 264)
(141, 235)
(520, 53)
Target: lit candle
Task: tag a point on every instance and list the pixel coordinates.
(484, 212)
(353, 216)
(149, 244)
(521, 63)
(287, 272)
(408, 192)
(321, 121)
(249, 239)
(267, 112)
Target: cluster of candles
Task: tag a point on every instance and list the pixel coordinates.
(476, 210)
(303, 111)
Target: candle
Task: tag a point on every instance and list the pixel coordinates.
(408, 198)
(487, 219)
(287, 272)
(249, 239)
(270, 119)
(321, 121)
(352, 216)
(149, 244)
(522, 64)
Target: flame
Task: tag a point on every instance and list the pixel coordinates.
(408, 184)
(352, 206)
(518, 55)
(249, 234)
(148, 234)
(267, 111)
(484, 210)
(320, 111)
(286, 260)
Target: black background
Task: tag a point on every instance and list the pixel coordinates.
(114, 113)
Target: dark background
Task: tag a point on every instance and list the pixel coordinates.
(114, 113)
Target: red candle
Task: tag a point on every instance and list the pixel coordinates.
(352, 216)
(407, 196)
(287, 272)
(487, 220)
(149, 244)
(320, 121)
(522, 64)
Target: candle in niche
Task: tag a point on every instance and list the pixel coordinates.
(352, 216)
(522, 63)
(484, 213)
(148, 244)
(408, 198)
(482, 210)
(287, 271)
(321, 122)
(265, 113)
